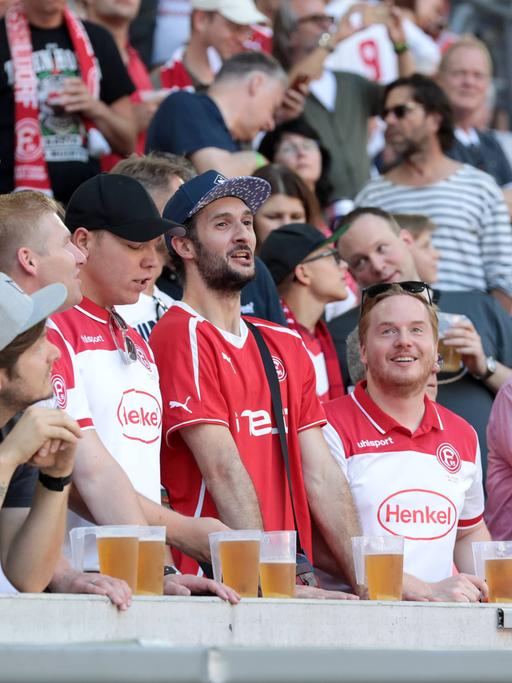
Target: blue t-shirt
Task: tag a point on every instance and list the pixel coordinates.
(187, 122)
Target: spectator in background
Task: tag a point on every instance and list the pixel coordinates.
(465, 73)
(172, 29)
(219, 30)
(424, 254)
(498, 508)
(70, 103)
(116, 17)
(309, 273)
(297, 145)
(473, 231)
(208, 128)
(377, 251)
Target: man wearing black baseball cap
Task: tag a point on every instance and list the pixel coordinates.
(221, 455)
(106, 376)
(309, 274)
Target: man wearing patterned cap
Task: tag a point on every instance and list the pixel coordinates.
(221, 452)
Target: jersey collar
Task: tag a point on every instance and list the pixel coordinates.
(93, 310)
(385, 423)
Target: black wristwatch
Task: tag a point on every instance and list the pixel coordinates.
(54, 483)
(170, 569)
(490, 363)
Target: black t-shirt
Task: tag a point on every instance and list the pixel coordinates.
(64, 136)
(187, 122)
(23, 482)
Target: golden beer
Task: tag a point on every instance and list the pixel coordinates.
(451, 357)
(118, 556)
(240, 566)
(384, 576)
(277, 579)
(498, 574)
(150, 575)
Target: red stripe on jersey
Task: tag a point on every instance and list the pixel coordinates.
(86, 423)
(465, 523)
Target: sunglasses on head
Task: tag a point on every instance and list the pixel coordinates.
(409, 286)
(119, 331)
(399, 111)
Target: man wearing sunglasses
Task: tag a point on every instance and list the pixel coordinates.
(413, 466)
(309, 273)
(377, 250)
(221, 453)
(106, 376)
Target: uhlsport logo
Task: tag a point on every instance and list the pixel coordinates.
(375, 443)
(449, 457)
(140, 416)
(280, 369)
(417, 514)
(60, 391)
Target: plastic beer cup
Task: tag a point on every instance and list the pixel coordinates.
(150, 573)
(493, 562)
(452, 361)
(235, 560)
(378, 563)
(278, 564)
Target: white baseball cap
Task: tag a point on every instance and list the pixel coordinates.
(19, 311)
(242, 12)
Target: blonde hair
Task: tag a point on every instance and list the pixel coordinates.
(466, 41)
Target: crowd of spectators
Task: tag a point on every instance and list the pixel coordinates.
(299, 183)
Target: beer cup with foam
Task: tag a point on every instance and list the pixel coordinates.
(452, 361)
(236, 559)
(493, 562)
(117, 551)
(378, 562)
(278, 564)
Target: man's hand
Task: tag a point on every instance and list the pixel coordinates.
(71, 581)
(42, 435)
(293, 103)
(75, 98)
(465, 339)
(188, 584)
(459, 588)
(313, 593)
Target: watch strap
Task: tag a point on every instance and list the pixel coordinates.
(54, 483)
(170, 569)
(491, 369)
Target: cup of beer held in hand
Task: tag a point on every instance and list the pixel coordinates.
(278, 564)
(493, 562)
(379, 562)
(236, 559)
(452, 361)
(150, 571)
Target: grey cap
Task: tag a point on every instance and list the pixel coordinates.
(19, 311)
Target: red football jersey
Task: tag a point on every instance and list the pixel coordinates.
(212, 376)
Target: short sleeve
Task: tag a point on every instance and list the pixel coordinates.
(336, 447)
(21, 487)
(473, 509)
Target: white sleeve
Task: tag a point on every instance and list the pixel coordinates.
(336, 447)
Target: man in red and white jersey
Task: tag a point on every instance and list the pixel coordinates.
(106, 376)
(221, 454)
(412, 465)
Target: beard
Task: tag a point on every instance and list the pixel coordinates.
(399, 384)
(218, 274)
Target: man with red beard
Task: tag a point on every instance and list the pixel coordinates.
(412, 465)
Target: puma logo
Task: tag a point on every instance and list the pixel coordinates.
(228, 360)
(177, 404)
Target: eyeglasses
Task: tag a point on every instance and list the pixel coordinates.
(119, 331)
(399, 111)
(322, 20)
(331, 252)
(410, 286)
(292, 149)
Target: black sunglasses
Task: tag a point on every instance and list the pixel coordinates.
(399, 111)
(409, 286)
(325, 254)
(119, 332)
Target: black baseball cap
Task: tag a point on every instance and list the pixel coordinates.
(204, 189)
(119, 204)
(290, 244)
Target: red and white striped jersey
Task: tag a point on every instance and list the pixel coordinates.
(210, 376)
(423, 485)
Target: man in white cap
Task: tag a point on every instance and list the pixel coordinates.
(44, 438)
(219, 29)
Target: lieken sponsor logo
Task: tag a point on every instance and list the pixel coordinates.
(417, 514)
(140, 416)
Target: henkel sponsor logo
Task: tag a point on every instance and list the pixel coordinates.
(449, 457)
(140, 416)
(258, 422)
(417, 514)
(60, 391)
(375, 443)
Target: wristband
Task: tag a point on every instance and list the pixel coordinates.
(170, 569)
(54, 483)
(400, 48)
(260, 160)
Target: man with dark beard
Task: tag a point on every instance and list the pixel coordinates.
(220, 449)
(413, 466)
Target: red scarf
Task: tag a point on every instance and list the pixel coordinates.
(323, 336)
(30, 168)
